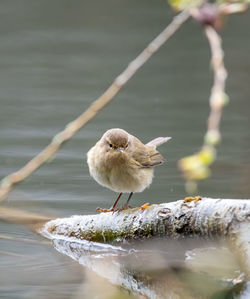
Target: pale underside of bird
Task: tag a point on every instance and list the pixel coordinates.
(122, 163)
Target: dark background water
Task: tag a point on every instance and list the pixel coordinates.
(56, 57)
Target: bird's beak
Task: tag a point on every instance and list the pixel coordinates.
(121, 149)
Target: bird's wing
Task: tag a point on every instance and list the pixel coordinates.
(154, 158)
(145, 155)
(158, 141)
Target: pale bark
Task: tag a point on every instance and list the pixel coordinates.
(207, 217)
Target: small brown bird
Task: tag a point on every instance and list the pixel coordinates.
(122, 163)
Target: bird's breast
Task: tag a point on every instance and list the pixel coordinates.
(116, 171)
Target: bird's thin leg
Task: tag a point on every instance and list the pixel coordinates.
(115, 203)
(126, 205)
(112, 208)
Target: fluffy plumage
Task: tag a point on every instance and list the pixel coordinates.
(122, 163)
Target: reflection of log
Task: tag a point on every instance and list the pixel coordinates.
(213, 218)
(153, 271)
(105, 260)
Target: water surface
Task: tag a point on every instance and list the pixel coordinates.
(55, 59)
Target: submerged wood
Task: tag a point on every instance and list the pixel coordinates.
(212, 218)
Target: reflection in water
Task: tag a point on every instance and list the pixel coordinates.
(160, 269)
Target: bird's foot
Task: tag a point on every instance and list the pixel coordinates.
(101, 210)
(192, 198)
(144, 207)
(125, 207)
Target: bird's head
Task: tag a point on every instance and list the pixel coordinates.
(115, 139)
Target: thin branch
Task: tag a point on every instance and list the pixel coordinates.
(220, 75)
(196, 166)
(8, 182)
(231, 8)
(22, 217)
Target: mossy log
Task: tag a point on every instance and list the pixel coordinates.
(210, 218)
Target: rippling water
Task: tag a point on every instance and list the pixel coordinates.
(56, 58)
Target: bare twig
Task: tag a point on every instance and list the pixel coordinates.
(8, 182)
(217, 98)
(231, 8)
(22, 217)
(196, 166)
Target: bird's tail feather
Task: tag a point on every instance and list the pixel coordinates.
(158, 141)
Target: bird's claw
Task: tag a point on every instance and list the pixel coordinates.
(143, 207)
(101, 210)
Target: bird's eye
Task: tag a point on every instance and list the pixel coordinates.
(110, 145)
